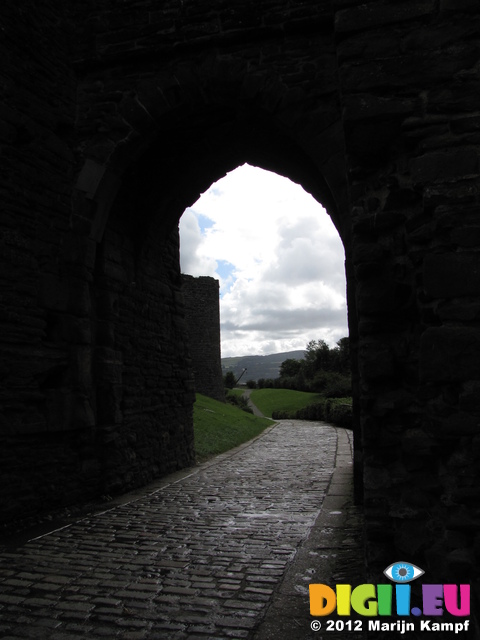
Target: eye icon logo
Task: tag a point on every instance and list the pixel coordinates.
(380, 600)
(403, 572)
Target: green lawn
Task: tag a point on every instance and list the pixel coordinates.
(268, 400)
(236, 392)
(219, 427)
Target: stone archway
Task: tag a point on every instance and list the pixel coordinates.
(371, 106)
(135, 220)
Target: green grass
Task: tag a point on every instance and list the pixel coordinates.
(219, 427)
(268, 400)
(235, 392)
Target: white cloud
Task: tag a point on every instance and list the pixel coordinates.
(278, 257)
(193, 261)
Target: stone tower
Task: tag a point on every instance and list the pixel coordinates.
(203, 322)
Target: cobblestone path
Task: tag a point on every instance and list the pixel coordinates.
(199, 557)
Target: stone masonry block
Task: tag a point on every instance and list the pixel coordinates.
(470, 397)
(448, 354)
(457, 6)
(439, 166)
(53, 292)
(452, 275)
(378, 14)
(359, 107)
(375, 360)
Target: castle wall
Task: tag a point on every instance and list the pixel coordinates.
(117, 118)
(202, 313)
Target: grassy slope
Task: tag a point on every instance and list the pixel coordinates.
(268, 400)
(236, 392)
(220, 427)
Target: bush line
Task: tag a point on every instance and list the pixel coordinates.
(339, 414)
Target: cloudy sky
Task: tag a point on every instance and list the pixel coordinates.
(278, 257)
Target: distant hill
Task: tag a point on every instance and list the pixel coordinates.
(258, 366)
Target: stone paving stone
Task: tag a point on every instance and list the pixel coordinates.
(201, 557)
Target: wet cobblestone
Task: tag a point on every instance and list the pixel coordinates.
(200, 557)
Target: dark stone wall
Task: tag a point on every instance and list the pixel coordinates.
(202, 313)
(141, 363)
(109, 131)
(44, 459)
(407, 76)
(96, 392)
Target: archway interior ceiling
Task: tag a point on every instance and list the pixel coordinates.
(185, 159)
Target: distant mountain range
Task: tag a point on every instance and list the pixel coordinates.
(258, 366)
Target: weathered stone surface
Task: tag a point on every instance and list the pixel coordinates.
(368, 16)
(450, 354)
(202, 313)
(467, 6)
(452, 275)
(459, 311)
(358, 107)
(375, 360)
(442, 166)
(460, 424)
(417, 442)
(117, 116)
(470, 397)
(468, 237)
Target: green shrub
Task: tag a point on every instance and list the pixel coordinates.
(266, 383)
(338, 386)
(238, 401)
(337, 411)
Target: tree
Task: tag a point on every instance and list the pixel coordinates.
(229, 380)
(343, 355)
(323, 370)
(317, 357)
(290, 368)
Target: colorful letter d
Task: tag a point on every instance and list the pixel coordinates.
(322, 600)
